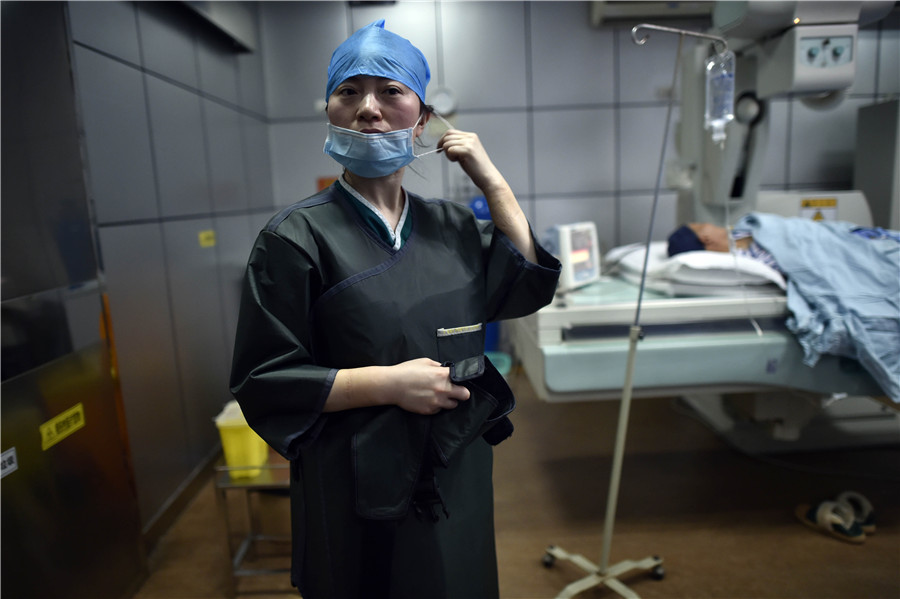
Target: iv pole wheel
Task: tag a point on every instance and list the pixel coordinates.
(658, 573)
(549, 559)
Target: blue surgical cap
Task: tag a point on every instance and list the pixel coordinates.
(375, 51)
(684, 240)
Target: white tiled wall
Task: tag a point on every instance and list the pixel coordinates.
(484, 54)
(644, 73)
(176, 119)
(558, 50)
(574, 150)
(573, 115)
(176, 145)
(297, 41)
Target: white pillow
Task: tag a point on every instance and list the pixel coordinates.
(694, 268)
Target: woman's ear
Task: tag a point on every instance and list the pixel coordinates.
(423, 121)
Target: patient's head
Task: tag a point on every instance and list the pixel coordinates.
(698, 236)
(713, 238)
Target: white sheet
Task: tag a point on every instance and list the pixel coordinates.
(696, 273)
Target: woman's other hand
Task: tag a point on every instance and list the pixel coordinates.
(421, 386)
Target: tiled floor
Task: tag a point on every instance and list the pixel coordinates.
(722, 521)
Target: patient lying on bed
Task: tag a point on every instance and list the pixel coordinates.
(713, 238)
(842, 283)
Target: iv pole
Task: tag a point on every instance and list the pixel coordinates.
(604, 574)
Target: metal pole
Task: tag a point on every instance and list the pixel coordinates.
(635, 331)
(619, 451)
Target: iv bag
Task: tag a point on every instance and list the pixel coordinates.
(719, 94)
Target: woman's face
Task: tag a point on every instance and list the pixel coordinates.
(374, 105)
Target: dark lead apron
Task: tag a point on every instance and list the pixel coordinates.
(407, 473)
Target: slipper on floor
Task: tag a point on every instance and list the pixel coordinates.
(832, 518)
(863, 512)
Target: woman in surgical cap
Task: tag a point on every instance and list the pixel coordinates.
(359, 353)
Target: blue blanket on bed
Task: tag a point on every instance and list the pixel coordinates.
(843, 291)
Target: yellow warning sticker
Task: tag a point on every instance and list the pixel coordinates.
(207, 238)
(56, 429)
(819, 202)
(818, 208)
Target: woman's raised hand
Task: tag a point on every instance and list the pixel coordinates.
(464, 148)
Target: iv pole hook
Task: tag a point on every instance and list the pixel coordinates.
(643, 40)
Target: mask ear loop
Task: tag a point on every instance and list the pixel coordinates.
(445, 122)
(442, 119)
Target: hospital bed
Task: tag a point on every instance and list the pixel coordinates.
(701, 343)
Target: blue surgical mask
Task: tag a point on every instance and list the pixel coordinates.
(370, 154)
